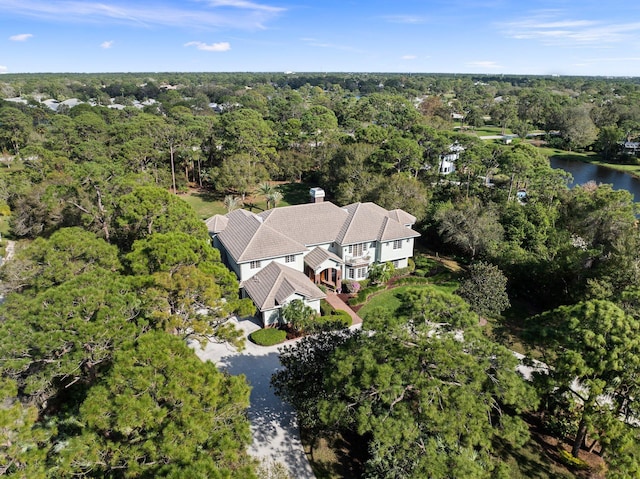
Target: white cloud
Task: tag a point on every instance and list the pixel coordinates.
(408, 57)
(406, 19)
(3, 69)
(243, 4)
(210, 47)
(486, 65)
(203, 14)
(106, 45)
(550, 28)
(22, 37)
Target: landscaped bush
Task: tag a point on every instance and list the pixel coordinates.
(268, 336)
(325, 308)
(420, 272)
(351, 287)
(341, 317)
(413, 280)
(402, 272)
(364, 294)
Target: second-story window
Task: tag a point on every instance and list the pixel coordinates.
(397, 244)
(289, 258)
(358, 249)
(254, 264)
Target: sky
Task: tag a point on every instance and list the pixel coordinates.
(525, 37)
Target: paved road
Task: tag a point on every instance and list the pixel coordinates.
(273, 423)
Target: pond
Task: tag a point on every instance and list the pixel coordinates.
(584, 172)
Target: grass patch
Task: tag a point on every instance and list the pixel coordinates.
(207, 204)
(567, 155)
(294, 193)
(487, 130)
(389, 300)
(268, 336)
(204, 203)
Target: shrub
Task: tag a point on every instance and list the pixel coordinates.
(420, 272)
(268, 336)
(351, 287)
(413, 280)
(411, 265)
(568, 460)
(341, 317)
(325, 308)
(402, 272)
(363, 294)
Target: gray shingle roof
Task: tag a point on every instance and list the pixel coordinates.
(271, 286)
(247, 238)
(309, 224)
(293, 229)
(370, 222)
(402, 217)
(318, 255)
(216, 223)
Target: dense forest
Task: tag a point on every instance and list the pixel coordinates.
(113, 271)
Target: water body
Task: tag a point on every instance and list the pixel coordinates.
(585, 172)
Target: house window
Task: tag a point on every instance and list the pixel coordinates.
(254, 264)
(362, 273)
(396, 263)
(357, 249)
(289, 258)
(397, 244)
(350, 273)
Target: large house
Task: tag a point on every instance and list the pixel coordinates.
(286, 253)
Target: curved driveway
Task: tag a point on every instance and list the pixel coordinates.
(274, 425)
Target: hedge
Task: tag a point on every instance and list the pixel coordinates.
(341, 317)
(268, 336)
(413, 280)
(363, 294)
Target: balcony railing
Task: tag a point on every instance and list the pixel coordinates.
(357, 260)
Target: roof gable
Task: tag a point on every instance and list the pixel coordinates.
(273, 285)
(370, 222)
(247, 238)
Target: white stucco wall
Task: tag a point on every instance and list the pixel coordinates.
(272, 317)
(245, 271)
(387, 253)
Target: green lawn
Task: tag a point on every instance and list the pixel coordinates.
(390, 301)
(207, 204)
(487, 130)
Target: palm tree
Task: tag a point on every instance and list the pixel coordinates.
(231, 203)
(274, 198)
(266, 190)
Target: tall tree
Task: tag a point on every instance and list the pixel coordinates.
(469, 226)
(426, 405)
(596, 344)
(160, 412)
(485, 289)
(15, 128)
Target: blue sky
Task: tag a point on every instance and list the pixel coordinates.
(565, 37)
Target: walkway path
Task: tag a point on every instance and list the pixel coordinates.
(334, 300)
(274, 425)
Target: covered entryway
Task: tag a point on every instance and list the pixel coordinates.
(324, 268)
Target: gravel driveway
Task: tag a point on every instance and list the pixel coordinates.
(273, 423)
